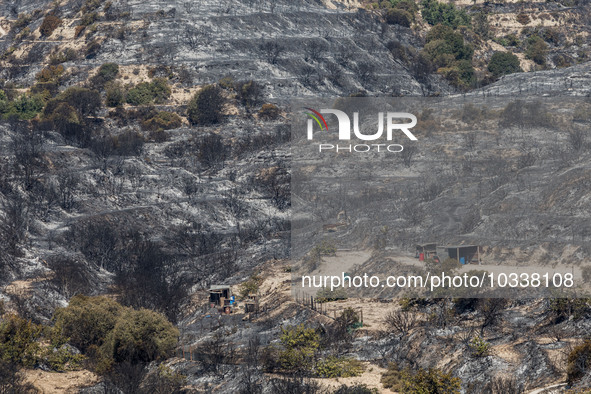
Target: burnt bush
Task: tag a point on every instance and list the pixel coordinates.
(27, 147)
(269, 112)
(250, 93)
(13, 223)
(211, 150)
(49, 24)
(71, 277)
(86, 101)
(107, 72)
(92, 49)
(68, 111)
(149, 278)
(215, 352)
(334, 73)
(274, 183)
(194, 240)
(128, 143)
(271, 50)
(99, 241)
(314, 50)
(206, 106)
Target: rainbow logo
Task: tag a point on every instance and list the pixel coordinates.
(315, 115)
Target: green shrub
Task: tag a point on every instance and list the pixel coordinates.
(298, 350)
(449, 42)
(147, 92)
(578, 362)
(357, 388)
(91, 5)
(18, 341)
(537, 49)
(562, 308)
(327, 295)
(393, 378)
(140, 336)
(431, 381)
(109, 333)
(479, 347)
(251, 286)
(163, 120)
(205, 108)
(447, 265)
(446, 49)
(512, 40)
(141, 94)
(325, 248)
(561, 60)
(395, 16)
(160, 90)
(67, 55)
(25, 107)
(406, 5)
(63, 358)
(66, 120)
(420, 382)
(552, 36)
(115, 96)
(86, 320)
(50, 73)
(336, 367)
(165, 380)
(49, 24)
(88, 19)
(503, 63)
(107, 72)
(435, 12)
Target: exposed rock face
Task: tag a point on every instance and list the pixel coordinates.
(571, 81)
(297, 49)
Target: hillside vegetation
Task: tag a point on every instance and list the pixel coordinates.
(146, 156)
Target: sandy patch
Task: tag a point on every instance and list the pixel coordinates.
(371, 377)
(64, 382)
(18, 287)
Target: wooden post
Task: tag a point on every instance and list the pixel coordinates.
(458, 254)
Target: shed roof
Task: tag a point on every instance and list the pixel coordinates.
(218, 287)
(457, 246)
